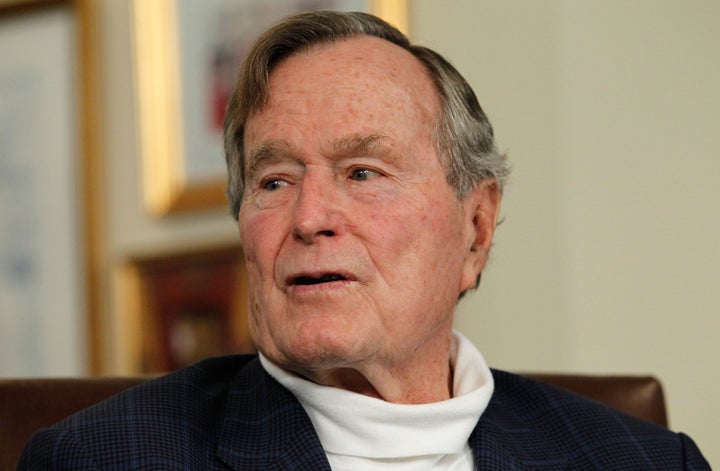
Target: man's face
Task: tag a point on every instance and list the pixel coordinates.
(356, 246)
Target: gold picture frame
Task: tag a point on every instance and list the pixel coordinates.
(182, 164)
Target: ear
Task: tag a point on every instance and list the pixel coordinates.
(482, 207)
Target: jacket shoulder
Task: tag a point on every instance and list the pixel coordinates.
(539, 421)
(180, 412)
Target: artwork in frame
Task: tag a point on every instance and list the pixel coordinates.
(48, 200)
(180, 307)
(187, 56)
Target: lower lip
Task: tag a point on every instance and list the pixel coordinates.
(319, 288)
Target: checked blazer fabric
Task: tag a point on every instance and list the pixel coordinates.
(228, 413)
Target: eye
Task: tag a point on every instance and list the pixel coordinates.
(363, 174)
(274, 184)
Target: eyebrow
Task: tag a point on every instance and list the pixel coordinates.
(268, 151)
(357, 145)
(353, 145)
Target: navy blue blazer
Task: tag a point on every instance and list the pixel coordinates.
(228, 413)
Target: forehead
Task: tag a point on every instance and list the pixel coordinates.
(363, 76)
(373, 55)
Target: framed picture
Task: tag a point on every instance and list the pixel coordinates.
(188, 53)
(48, 167)
(181, 307)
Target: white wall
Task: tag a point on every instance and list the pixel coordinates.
(640, 118)
(609, 256)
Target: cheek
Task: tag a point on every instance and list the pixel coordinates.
(416, 221)
(426, 238)
(260, 246)
(261, 238)
(397, 238)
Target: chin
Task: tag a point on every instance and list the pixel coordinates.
(313, 339)
(321, 350)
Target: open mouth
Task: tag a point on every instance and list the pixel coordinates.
(305, 280)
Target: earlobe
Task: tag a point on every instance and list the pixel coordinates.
(483, 205)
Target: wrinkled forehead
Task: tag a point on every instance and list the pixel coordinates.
(369, 64)
(364, 78)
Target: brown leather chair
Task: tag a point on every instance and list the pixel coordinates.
(27, 405)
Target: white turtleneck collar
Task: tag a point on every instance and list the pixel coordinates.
(362, 432)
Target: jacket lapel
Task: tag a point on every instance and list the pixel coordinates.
(265, 427)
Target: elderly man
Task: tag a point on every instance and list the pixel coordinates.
(366, 183)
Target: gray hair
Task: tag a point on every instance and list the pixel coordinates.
(463, 134)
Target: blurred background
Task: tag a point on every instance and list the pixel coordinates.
(607, 261)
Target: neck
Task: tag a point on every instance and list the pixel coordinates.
(426, 378)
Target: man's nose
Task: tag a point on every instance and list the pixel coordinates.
(317, 209)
